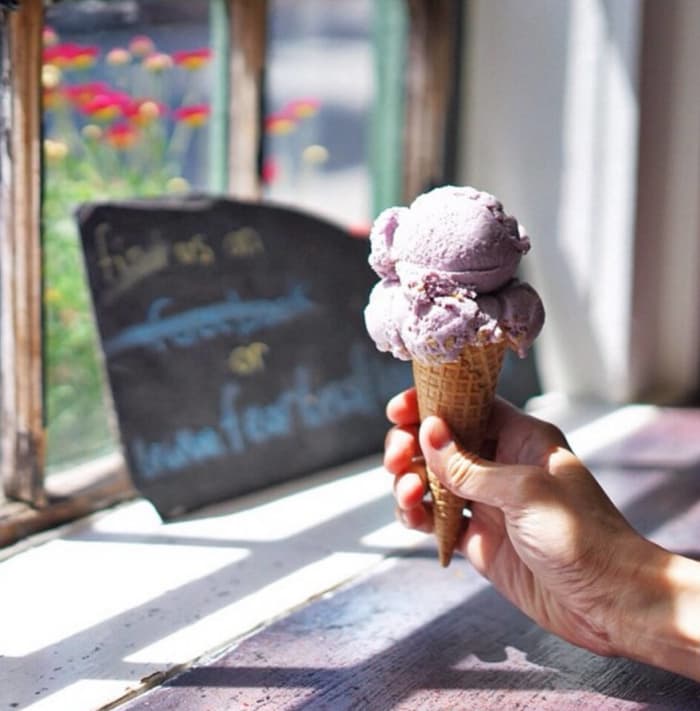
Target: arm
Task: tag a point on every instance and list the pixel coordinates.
(547, 536)
(661, 623)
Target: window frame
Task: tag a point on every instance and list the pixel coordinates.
(28, 501)
(21, 432)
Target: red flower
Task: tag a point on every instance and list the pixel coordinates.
(121, 136)
(302, 108)
(280, 124)
(270, 171)
(107, 106)
(53, 98)
(80, 94)
(192, 59)
(193, 116)
(71, 56)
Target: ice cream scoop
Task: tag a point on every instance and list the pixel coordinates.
(447, 265)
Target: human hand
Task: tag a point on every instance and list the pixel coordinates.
(541, 528)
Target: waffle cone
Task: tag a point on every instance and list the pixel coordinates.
(461, 393)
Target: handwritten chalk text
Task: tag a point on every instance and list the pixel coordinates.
(233, 316)
(248, 359)
(244, 425)
(123, 265)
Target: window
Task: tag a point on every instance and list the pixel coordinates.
(320, 89)
(126, 109)
(54, 418)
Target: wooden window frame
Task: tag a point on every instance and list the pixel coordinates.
(29, 502)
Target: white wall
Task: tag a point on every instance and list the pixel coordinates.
(666, 319)
(551, 106)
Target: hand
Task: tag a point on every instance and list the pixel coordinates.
(541, 528)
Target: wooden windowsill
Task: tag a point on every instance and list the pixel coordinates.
(70, 495)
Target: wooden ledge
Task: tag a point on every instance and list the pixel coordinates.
(71, 494)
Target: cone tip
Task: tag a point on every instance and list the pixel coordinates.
(444, 556)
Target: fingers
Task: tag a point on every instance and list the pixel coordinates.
(419, 518)
(409, 488)
(402, 409)
(411, 510)
(468, 475)
(400, 448)
(401, 458)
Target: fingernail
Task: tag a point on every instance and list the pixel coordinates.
(439, 435)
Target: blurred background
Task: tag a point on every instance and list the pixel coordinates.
(582, 116)
(130, 102)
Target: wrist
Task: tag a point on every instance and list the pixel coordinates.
(658, 618)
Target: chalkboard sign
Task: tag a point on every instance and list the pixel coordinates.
(234, 344)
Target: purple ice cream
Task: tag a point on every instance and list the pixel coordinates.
(447, 266)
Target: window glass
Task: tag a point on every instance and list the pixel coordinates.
(126, 113)
(320, 88)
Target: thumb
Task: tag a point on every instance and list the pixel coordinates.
(466, 474)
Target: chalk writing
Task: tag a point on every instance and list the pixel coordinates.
(122, 268)
(123, 271)
(193, 251)
(232, 316)
(245, 242)
(240, 426)
(187, 447)
(248, 359)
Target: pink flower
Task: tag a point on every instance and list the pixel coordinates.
(80, 94)
(192, 59)
(49, 36)
(270, 171)
(194, 116)
(118, 57)
(141, 46)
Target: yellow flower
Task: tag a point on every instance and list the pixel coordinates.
(52, 295)
(91, 132)
(149, 110)
(158, 62)
(177, 185)
(50, 76)
(315, 154)
(55, 151)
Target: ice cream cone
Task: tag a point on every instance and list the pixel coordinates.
(462, 393)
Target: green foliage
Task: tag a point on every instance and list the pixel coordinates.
(76, 417)
(103, 141)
